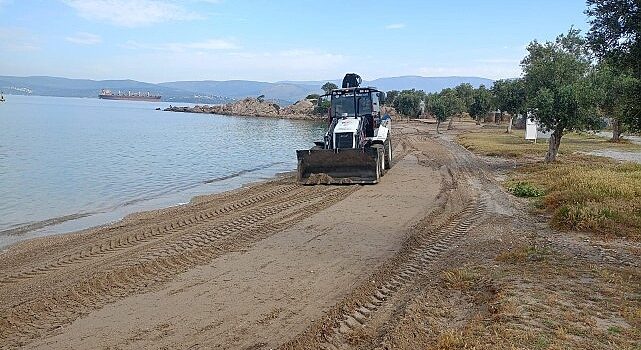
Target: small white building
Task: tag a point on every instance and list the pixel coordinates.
(533, 130)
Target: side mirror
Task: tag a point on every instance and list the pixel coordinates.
(381, 97)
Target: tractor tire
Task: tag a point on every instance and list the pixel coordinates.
(388, 154)
(380, 163)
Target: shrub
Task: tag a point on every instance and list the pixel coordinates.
(524, 189)
(323, 108)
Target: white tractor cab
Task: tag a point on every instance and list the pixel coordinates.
(357, 147)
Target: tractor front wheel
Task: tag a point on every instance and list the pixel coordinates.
(388, 154)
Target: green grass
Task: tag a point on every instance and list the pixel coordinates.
(524, 189)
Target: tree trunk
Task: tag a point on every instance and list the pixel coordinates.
(478, 120)
(449, 125)
(553, 145)
(438, 124)
(616, 130)
(509, 125)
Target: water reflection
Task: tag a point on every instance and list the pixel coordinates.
(69, 156)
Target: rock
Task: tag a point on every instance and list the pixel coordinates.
(256, 108)
(249, 107)
(300, 108)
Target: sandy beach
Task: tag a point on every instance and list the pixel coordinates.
(277, 264)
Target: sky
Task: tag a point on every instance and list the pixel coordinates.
(170, 40)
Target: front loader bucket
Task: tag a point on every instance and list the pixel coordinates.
(340, 166)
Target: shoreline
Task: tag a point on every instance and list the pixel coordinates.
(55, 227)
(186, 109)
(117, 185)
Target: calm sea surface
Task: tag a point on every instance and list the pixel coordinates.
(72, 163)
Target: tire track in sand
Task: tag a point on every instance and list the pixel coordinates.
(137, 268)
(130, 239)
(431, 246)
(460, 207)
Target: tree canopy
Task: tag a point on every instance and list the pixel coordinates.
(615, 31)
(558, 89)
(482, 102)
(390, 96)
(616, 98)
(465, 92)
(444, 105)
(328, 87)
(408, 102)
(510, 95)
(615, 37)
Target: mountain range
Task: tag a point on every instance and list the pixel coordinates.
(212, 91)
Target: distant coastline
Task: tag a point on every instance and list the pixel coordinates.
(212, 92)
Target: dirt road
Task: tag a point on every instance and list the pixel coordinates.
(410, 262)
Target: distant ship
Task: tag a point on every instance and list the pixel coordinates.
(130, 96)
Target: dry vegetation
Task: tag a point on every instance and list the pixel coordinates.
(589, 194)
(579, 192)
(495, 142)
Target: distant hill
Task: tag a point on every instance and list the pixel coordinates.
(212, 91)
(64, 87)
(238, 89)
(427, 84)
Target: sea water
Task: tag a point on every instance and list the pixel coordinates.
(72, 163)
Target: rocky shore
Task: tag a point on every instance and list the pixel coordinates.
(253, 107)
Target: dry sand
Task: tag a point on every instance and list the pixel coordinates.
(429, 257)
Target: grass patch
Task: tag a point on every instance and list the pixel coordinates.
(460, 278)
(450, 340)
(614, 329)
(590, 194)
(522, 254)
(494, 142)
(524, 189)
(580, 192)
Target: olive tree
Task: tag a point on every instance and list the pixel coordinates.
(465, 91)
(390, 96)
(481, 103)
(509, 96)
(615, 37)
(615, 32)
(559, 92)
(408, 102)
(328, 87)
(445, 105)
(616, 98)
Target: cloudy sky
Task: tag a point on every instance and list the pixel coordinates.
(166, 40)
